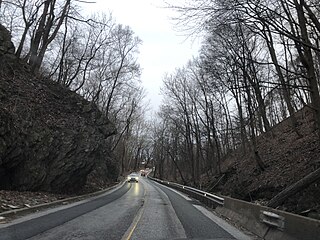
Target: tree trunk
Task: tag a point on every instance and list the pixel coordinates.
(257, 157)
(285, 91)
(43, 38)
(23, 38)
(179, 170)
(308, 63)
(36, 38)
(251, 75)
(294, 188)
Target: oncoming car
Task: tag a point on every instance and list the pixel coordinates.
(133, 177)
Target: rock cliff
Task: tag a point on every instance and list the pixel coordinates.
(50, 137)
(6, 46)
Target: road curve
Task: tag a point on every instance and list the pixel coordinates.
(136, 211)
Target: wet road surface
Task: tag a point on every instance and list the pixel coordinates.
(137, 211)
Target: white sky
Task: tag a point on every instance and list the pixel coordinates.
(163, 49)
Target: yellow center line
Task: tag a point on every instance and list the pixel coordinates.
(136, 220)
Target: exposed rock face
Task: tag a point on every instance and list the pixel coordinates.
(6, 46)
(50, 137)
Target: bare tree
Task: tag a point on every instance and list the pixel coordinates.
(29, 15)
(50, 21)
(93, 56)
(293, 19)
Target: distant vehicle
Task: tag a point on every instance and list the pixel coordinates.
(133, 177)
(143, 172)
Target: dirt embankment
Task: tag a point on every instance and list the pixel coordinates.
(288, 158)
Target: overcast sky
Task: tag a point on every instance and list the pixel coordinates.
(163, 48)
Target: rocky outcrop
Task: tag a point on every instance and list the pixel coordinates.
(50, 137)
(6, 46)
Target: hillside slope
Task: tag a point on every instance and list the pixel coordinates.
(288, 159)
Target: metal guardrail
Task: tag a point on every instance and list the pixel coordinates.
(198, 194)
(267, 223)
(272, 219)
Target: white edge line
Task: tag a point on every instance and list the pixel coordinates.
(181, 194)
(46, 211)
(223, 224)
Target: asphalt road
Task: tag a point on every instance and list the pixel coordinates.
(137, 211)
